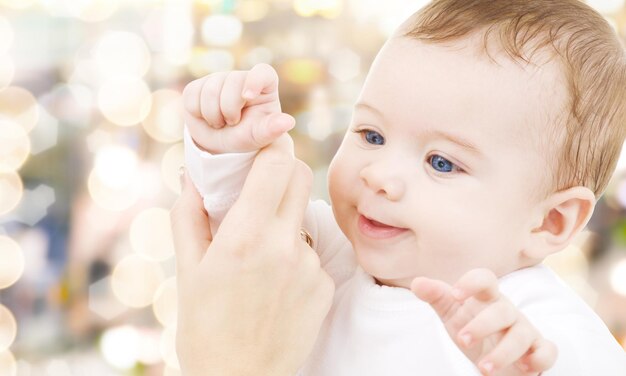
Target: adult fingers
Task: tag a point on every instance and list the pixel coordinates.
(265, 185)
(231, 101)
(262, 79)
(482, 284)
(190, 227)
(437, 294)
(493, 319)
(296, 196)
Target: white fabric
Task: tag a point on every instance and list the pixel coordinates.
(381, 330)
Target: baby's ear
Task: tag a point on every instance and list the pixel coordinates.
(565, 214)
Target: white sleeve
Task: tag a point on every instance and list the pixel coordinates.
(218, 178)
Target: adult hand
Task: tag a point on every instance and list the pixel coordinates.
(251, 300)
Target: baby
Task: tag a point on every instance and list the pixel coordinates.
(482, 138)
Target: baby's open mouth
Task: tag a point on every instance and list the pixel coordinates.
(377, 230)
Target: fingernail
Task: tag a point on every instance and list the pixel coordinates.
(181, 176)
(487, 367)
(466, 339)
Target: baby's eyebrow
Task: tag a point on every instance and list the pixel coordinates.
(457, 140)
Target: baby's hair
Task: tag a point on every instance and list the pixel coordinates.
(592, 58)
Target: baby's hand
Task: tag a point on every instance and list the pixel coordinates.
(236, 111)
(486, 326)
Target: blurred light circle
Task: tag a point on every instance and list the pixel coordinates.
(165, 123)
(19, 105)
(344, 65)
(8, 365)
(92, 10)
(221, 30)
(110, 197)
(119, 346)
(618, 277)
(168, 347)
(6, 35)
(11, 191)
(173, 158)
(165, 303)
(14, 146)
(124, 101)
(121, 53)
(135, 280)
(7, 71)
(8, 328)
(252, 10)
(12, 265)
(151, 234)
(149, 346)
(302, 71)
(116, 165)
(204, 62)
(606, 6)
(16, 4)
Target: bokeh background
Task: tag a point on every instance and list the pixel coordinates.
(90, 146)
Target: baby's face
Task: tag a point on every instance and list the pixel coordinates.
(440, 170)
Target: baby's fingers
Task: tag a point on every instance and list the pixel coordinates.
(516, 342)
(437, 294)
(482, 284)
(540, 357)
(493, 319)
(262, 79)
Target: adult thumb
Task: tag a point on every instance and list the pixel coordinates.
(190, 226)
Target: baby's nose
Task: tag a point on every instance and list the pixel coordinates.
(384, 180)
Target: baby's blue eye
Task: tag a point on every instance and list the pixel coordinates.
(441, 164)
(374, 137)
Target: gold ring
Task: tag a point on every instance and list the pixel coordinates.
(304, 234)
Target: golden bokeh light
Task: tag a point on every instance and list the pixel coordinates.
(92, 10)
(165, 123)
(165, 303)
(8, 328)
(121, 54)
(204, 61)
(151, 234)
(168, 347)
(302, 71)
(14, 146)
(173, 158)
(252, 10)
(8, 365)
(12, 265)
(124, 101)
(135, 280)
(20, 106)
(11, 191)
